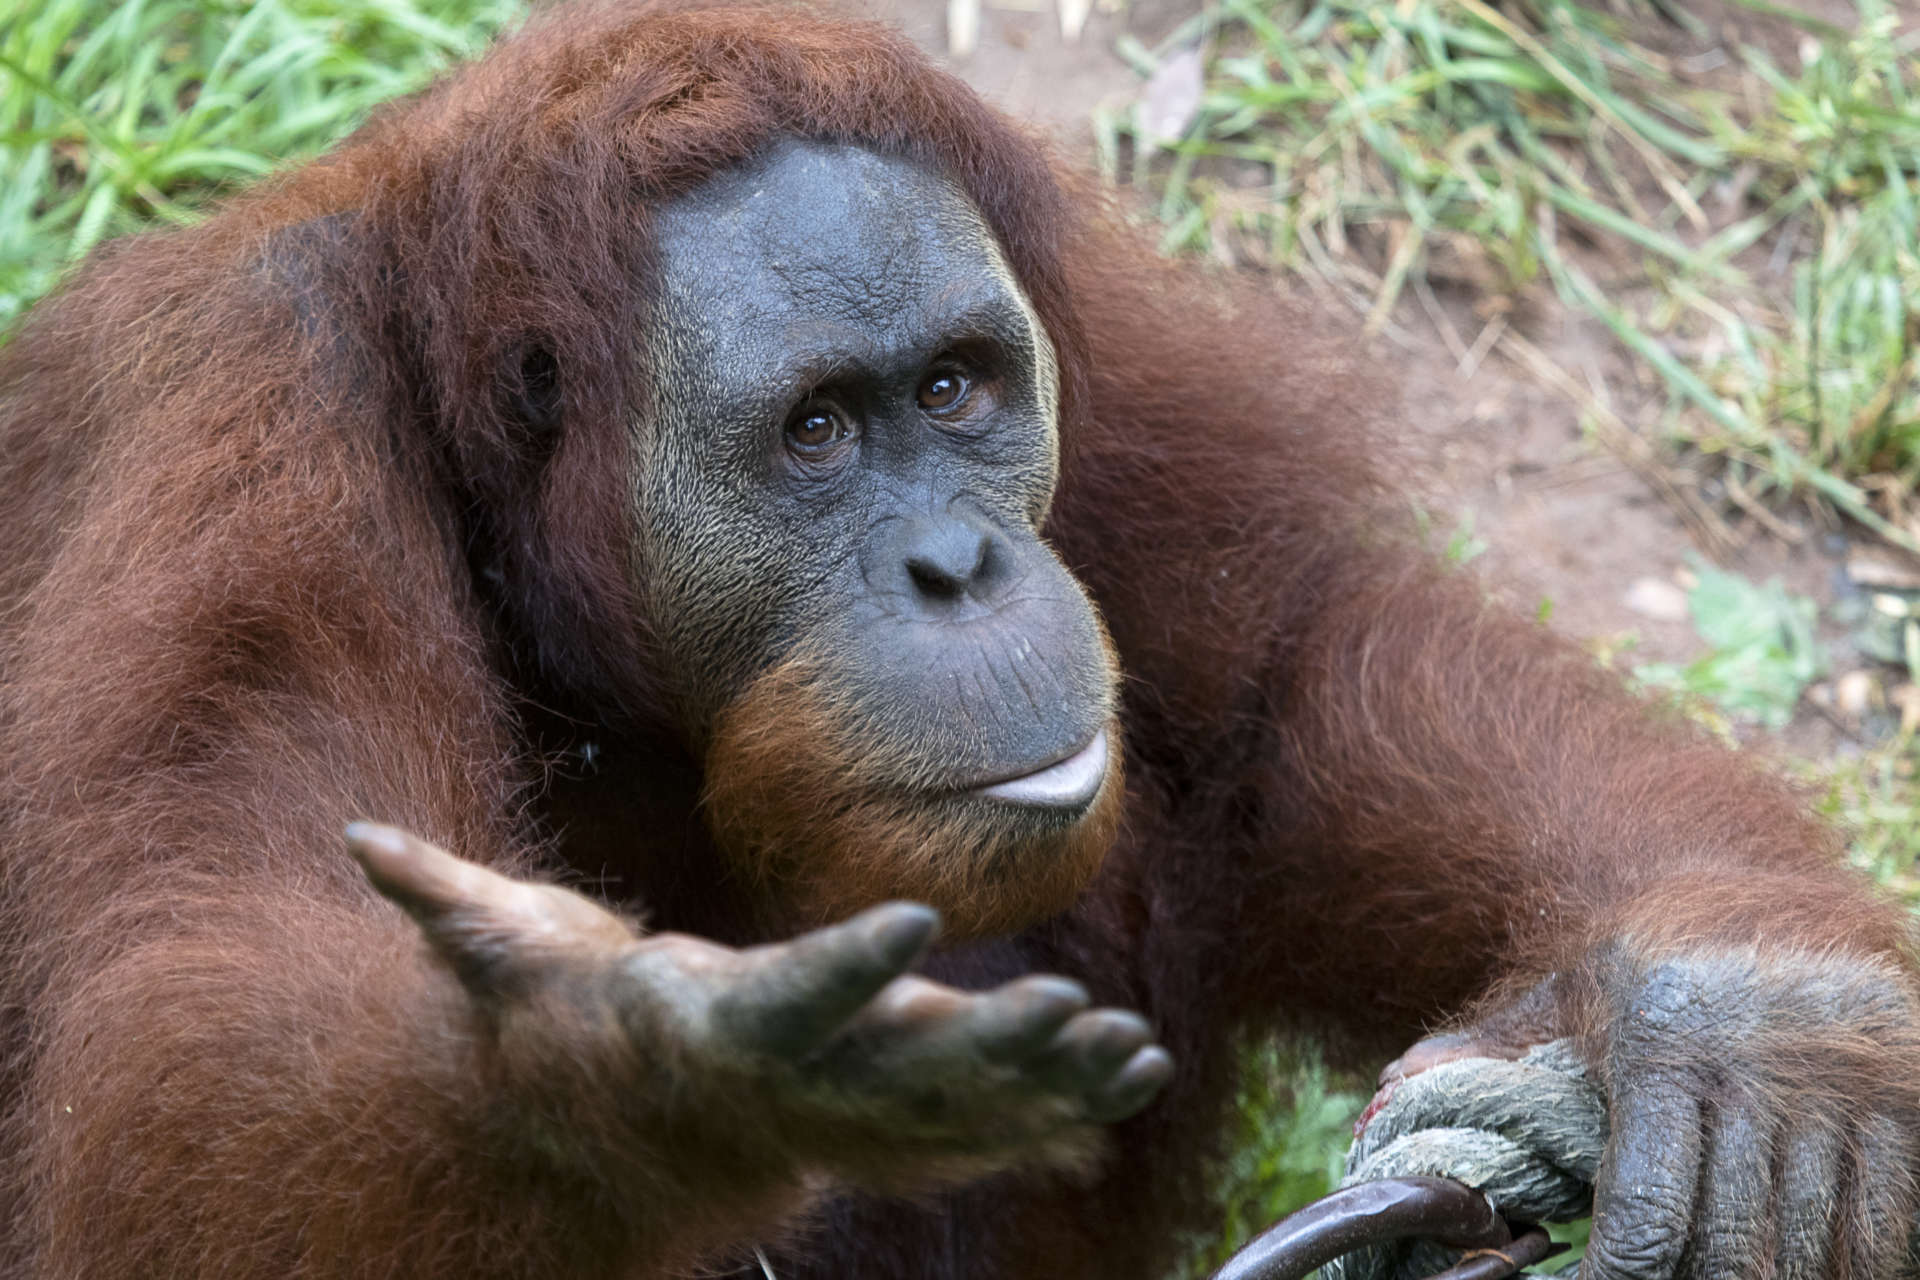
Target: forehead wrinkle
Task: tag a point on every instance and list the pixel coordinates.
(823, 257)
(843, 228)
(995, 315)
(870, 282)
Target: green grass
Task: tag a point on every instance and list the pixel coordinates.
(1837, 156)
(1761, 649)
(1761, 654)
(1386, 148)
(117, 114)
(1294, 1122)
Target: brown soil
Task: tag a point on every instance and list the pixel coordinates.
(1567, 519)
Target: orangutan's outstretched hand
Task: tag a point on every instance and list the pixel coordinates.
(823, 1049)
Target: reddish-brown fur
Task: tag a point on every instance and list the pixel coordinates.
(275, 558)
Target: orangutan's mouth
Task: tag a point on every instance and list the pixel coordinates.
(1069, 783)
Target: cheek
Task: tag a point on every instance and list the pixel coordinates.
(713, 578)
(1038, 478)
(1012, 473)
(1036, 496)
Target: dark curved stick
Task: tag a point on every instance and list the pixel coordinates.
(1530, 1246)
(1370, 1213)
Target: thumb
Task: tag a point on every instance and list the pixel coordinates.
(494, 931)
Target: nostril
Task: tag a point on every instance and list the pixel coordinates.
(947, 561)
(931, 579)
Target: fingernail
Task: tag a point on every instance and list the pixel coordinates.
(1145, 1074)
(1151, 1067)
(906, 928)
(374, 835)
(1057, 992)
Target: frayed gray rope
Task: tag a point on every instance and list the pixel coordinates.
(1527, 1133)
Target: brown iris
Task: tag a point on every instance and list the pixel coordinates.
(942, 391)
(818, 426)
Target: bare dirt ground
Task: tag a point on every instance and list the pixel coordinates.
(1566, 518)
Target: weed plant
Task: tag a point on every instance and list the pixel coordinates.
(113, 115)
(1747, 231)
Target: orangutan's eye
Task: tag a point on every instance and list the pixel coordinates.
(819, 427)
(943, 391)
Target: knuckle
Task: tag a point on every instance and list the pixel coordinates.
(1726, 1240)
(1669, 998)
(1637, 1240)
(683, 952)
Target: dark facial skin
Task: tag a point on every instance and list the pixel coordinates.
(852, 448)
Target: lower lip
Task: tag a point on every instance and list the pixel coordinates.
(1067, 784)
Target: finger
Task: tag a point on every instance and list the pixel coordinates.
(1729, 1236)
(1423, 1055)
(1146, 1073)
(1444, 1047)
(1531, 1019)
(1805, 1203)
(425, 880)
(491, 929)
(1022, 1017)
(1880, 1217)
(1645, 1192)
(1092, 1047)
(793, 996)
